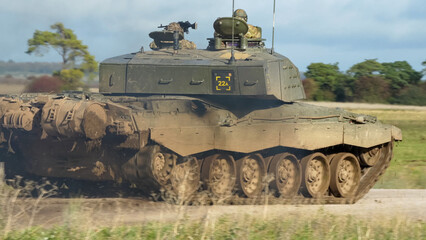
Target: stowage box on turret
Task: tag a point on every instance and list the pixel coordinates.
(223, 121)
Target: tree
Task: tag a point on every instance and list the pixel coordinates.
(368, 68)
(310, 87)
(412, 95)
(71, 78)
(75, 56)
(345, 89)
(400, 74)
(373, 89)
(327, 77)
(424, 69)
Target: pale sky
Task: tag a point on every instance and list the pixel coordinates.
(329, 31)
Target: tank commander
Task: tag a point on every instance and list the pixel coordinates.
(253, 31)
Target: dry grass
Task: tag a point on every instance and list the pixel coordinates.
(316, 226)
(24, 192)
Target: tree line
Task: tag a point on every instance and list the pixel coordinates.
(11, 67)
(368, 81)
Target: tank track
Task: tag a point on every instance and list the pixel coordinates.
(167, 191)
(367, 182)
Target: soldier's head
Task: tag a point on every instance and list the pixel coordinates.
(241, 14)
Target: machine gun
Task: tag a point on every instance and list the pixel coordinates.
(184, 25)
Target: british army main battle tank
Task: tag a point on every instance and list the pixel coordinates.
(221, 122)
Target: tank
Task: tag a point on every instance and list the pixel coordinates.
(223, 123)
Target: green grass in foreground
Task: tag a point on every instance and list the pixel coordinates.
(318, 226)
(408, 167)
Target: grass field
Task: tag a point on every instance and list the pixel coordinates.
(316, 226)
(408, 167)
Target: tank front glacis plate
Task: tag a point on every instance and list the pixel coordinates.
(202, 72)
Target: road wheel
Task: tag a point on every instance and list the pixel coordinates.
(370, 156)
(287, 174)
(219, 174)
(150, 168)
(185, 178)
(162, 166)
(316, 175)
(251, 171)
(345, 175)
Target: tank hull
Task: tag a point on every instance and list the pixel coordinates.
(188, 146)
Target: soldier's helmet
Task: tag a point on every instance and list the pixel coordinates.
(240, 13)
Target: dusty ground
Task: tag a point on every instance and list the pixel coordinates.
(11, 88)
(350, 105)
(378, 204)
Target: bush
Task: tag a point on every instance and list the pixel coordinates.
(44, 83)
(71, 78)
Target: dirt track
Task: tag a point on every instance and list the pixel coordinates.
(353, 105)
(378, 204)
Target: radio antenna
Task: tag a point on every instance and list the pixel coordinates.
(232, 59)
(273, 30)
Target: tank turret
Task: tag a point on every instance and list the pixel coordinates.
(195, 72)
